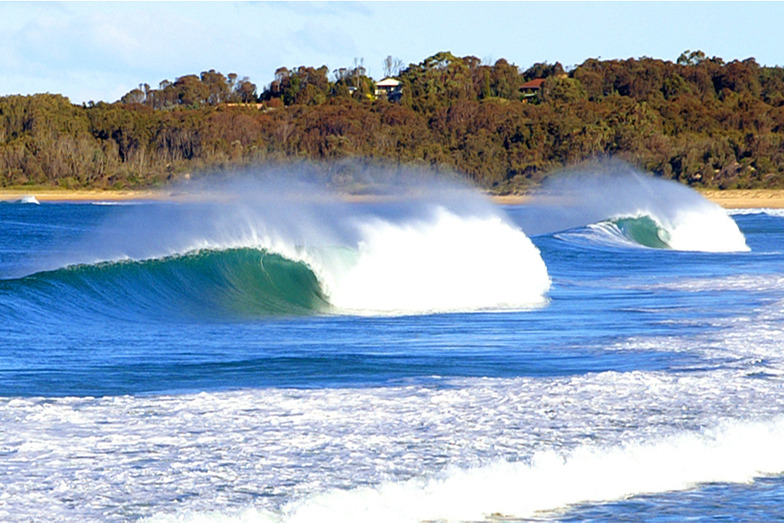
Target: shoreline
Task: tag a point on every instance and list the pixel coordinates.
(729, 199)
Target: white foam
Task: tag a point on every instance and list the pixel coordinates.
(778, 213)
(302, 453)
(708, 229)
(752, 283)
(29, 200)
(731, 452)
(445, 263)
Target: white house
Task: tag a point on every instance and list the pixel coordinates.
(390, 87)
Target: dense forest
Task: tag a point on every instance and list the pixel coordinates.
(698, 120)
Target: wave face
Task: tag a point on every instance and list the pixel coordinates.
(254, 250)
(641, 231)
(619, 203)
(644, 231)
(234, 283)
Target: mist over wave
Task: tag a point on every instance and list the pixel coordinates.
(418, 247)
(622, 203)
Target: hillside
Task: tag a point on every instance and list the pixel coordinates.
(698, 120)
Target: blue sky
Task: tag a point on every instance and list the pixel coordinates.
(100, 51)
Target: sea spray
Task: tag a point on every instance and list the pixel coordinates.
(612, 191)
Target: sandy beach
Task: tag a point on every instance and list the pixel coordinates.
(746, 198)
(729, 199)
(83, 195)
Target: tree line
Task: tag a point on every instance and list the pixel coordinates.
(698, 120)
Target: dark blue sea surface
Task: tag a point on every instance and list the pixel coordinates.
(260, 376)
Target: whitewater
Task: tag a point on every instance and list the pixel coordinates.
(270, 352)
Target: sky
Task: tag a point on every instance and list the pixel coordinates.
(91, 51)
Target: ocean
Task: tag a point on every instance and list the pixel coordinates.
(256, 352)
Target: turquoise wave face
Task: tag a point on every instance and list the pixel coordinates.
(644, 231)
(235, 283)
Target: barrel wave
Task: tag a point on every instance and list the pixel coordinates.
(237, 253)
(442, 265)
(643, 231)
(612, 204)
(704, 230)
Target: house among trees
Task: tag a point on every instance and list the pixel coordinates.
(391, 88)
(531, 89)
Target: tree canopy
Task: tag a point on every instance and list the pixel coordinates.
(697, 120)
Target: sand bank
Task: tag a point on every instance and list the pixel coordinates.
(730, 199)
(746, 198)
(82, 195)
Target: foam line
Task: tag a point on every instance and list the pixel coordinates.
(732, 452)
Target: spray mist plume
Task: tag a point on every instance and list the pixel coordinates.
(622, 205)
(413, 245)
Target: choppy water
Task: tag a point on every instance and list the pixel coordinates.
(422, 361)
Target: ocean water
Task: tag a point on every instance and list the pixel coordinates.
(264, 357)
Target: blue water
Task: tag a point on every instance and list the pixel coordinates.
(166, 386)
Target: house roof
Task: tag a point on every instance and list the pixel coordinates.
(533, 84)
(388, 82)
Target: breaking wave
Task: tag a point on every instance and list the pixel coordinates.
(23, 200)
(692, 231)
(263, 252)
(619, 205)
(776, 213)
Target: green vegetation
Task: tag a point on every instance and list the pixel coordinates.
(699, 120)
